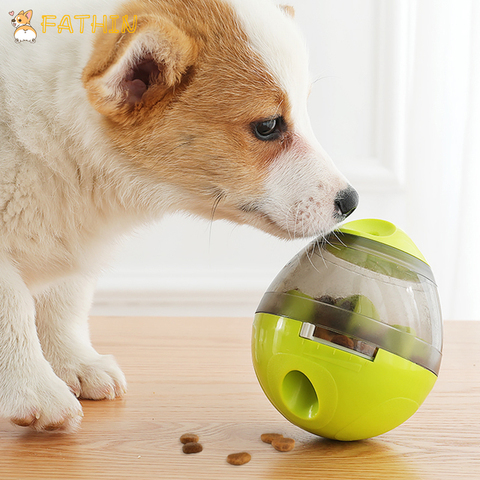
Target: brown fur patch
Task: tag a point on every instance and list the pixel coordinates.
(194, 129)
(289, 10)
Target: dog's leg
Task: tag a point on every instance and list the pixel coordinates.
(30, 392)
(62, 324)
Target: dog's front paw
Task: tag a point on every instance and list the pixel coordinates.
(95, 377)
(45, 407)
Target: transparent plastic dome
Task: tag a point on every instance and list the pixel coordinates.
(361, 295)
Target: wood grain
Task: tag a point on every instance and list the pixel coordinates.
(195, 375)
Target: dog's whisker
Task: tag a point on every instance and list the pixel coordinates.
(219, 196)
(322, 77)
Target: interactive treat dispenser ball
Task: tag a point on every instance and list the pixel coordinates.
(347, 340)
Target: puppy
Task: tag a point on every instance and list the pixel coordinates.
(24, 32)
(201, 105)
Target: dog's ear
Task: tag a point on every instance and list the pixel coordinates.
(29, 14)
(20, 13)
(131, 71)
(289, 10)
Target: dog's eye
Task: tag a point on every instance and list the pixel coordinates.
(268, 130)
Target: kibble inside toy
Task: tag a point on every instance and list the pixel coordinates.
(347, 340)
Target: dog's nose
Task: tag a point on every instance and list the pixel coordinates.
(346, 202)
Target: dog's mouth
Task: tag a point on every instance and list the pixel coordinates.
(256, 217)
(287, 225)
(246, 213)
(255, 212)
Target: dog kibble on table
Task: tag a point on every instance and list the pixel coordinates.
(283, 444)
(239, 458)
(270, 437)
(277, 440)
(192, 447)
(189, 438)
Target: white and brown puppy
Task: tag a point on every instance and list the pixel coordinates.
(203, 105)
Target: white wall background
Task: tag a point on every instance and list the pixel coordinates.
(396, 103)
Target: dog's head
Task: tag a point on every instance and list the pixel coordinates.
(211, 97)
(22, 18)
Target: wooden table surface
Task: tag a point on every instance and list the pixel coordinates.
(196, 375)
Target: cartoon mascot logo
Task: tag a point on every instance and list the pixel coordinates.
(24, 32)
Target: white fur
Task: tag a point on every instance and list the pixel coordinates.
(65, 195)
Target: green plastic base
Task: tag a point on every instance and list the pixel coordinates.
(331, 392)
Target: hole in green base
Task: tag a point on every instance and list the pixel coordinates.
(299, 395)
